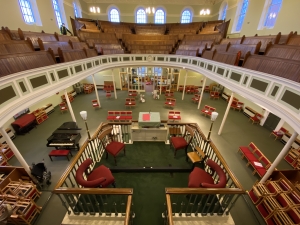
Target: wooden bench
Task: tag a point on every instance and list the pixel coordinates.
(78, 45)
(60, 152)
(293, 39)
(14, 63)
(92, 41)
(170, 102)
(71, 55)
(255, 158)
(66, 38)
(244, 49)
(234, 41)
(188, 52)
(14, 47)
(130, 102)
(283, 51)
(119, 115)
(265, 40)
(228, 58)
(151, 42)
(149, 52)
(54, 45)
(90, 52)
(126, 37)
(208, 54)
(285, 68)
(34, 36)
(4, 35)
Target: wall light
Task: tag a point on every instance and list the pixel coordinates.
(205, 12)
(94, 9)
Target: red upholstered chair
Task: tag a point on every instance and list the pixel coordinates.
(206, 89)
(63, 107)
(111, 146)
(256, 118)
(279, 133)
(99, 177)
(200, 178)
(95, 103)
(182, 142)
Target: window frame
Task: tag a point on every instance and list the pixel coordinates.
(61, 12)
(136, 15)
(223, 8)
(264, 15)
(25, 14)
(164, 16)
(237, 16)
(34, 11)
(191, 15)
(109, 14)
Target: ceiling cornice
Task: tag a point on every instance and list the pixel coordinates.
(165, 2)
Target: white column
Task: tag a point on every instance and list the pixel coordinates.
(178, 81)
(96, 90)
(128, 78)
(184, 84)
(113, 77)
(171, 78)
(138, 74)
(226, 113)
(265, 113)
(69, 106)
(281, 155)
(15, 151)
(202, 91)
(160, 84)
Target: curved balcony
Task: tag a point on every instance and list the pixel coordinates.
(276, 94)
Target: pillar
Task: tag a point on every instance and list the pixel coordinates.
(184, 84)
(226, 113)
(69, 106)
(113, 77)
(96, 90)
(202, 92)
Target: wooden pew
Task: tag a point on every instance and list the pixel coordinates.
(291, 52)
(208, 54)
(4, 36)
(209, 43)
(150, 47)
(188, 52)
(265, 40)
(92, 41)
(33, 36)
(221, 47)
(13, 47)
(66, 38)
(14, 63)
(112, 51)
(100, 47)
(126, 37)
(84, 35)
(149, 52)
(253, 49)
(78, 45)
(14, 34)
(293, 40)
(285, 68)
(228, 58)
(201, 37)
(90, 52)
(71, 55)
(234, 41)
(151, 42)
(54, 45)
(157, 30)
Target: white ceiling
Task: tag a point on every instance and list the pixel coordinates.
(158, 2)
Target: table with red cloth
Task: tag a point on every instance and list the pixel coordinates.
(24, 123)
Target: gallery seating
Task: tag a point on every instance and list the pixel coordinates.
(170, 102)
(207, 110)
(174, 115)
(214, 95)
(200, 178)
(259, 162)
(111, 146)
(119, 115)
(256, 118)
(95, 103)
(99, 177)
(182, 142)
(279, 133)
(196, 98)
(130, 102)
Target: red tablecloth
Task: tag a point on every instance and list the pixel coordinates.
(146, 117)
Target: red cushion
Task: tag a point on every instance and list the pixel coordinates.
(197, 177)
(262, 210)
(250, 157)
(114, 147)
(59, 152)
(103, 172)
(261, 171)
(221, 174)
(178, 142)
(294, 216)
(245, 149)
(252, 196)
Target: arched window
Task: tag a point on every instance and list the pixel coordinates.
(141, 16)
(27, 11)
(57, 12)
(223, 12)
(114, 15)
(159, 16)
(186, 16)
(75, 9)
(272, 14)
(241, 16)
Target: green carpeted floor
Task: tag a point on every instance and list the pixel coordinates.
(148, 187)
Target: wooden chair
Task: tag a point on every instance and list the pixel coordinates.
(132, 94)
(214, 95)
(130, 102)
(256, 118)
(206, 89)
(63, 107)
(95, 103)
(174, 115)
(279, 133)
(111, 146)
(182, 142)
